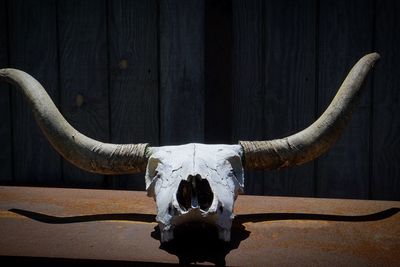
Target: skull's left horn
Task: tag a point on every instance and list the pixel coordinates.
(80, 150)
(313, 141)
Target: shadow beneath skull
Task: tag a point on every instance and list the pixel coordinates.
(197, 242)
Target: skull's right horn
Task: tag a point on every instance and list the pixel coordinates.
(80, 150)
(313, 141)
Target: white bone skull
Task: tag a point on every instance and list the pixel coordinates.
(195, 182)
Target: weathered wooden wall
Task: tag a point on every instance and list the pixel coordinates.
(178, 71)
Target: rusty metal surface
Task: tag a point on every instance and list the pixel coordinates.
(119, 226)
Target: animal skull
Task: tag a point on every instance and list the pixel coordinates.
(193, 182)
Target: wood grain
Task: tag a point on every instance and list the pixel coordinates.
(84, 77)
(33, 49)
(385, 180)
(5, 114)
(274, 83)
(181, 71)
(134, 108)
(289, 77)
(218, 72)
(170, 72)
(345, 35)
(248, 87)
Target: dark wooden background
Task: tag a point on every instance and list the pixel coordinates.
(172, 72)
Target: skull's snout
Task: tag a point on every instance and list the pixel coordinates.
(194, 193)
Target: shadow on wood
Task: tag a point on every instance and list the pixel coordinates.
(197, 242)
(85, 218)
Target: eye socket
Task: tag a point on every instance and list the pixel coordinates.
(152, 167)
(150, 176)
(237, 169)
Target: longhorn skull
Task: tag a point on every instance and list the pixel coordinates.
(193, 182)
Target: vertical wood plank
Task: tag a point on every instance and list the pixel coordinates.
(83, 77)
(5, 115)
(345, 35)
(33, 48)
(290, 86)
(247, 79)
(218, 72)
(181, 71)
(385, 180)
(133, 31)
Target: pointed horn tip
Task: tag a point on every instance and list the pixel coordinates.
(3, 72)
(372, 57)
(6, 72)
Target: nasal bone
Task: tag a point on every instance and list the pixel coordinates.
(194, 198)
(195, 202)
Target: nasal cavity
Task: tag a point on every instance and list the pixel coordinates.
(195, 192)
(184, 195)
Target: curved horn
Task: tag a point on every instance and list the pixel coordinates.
(80, 150)
(313, 141)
